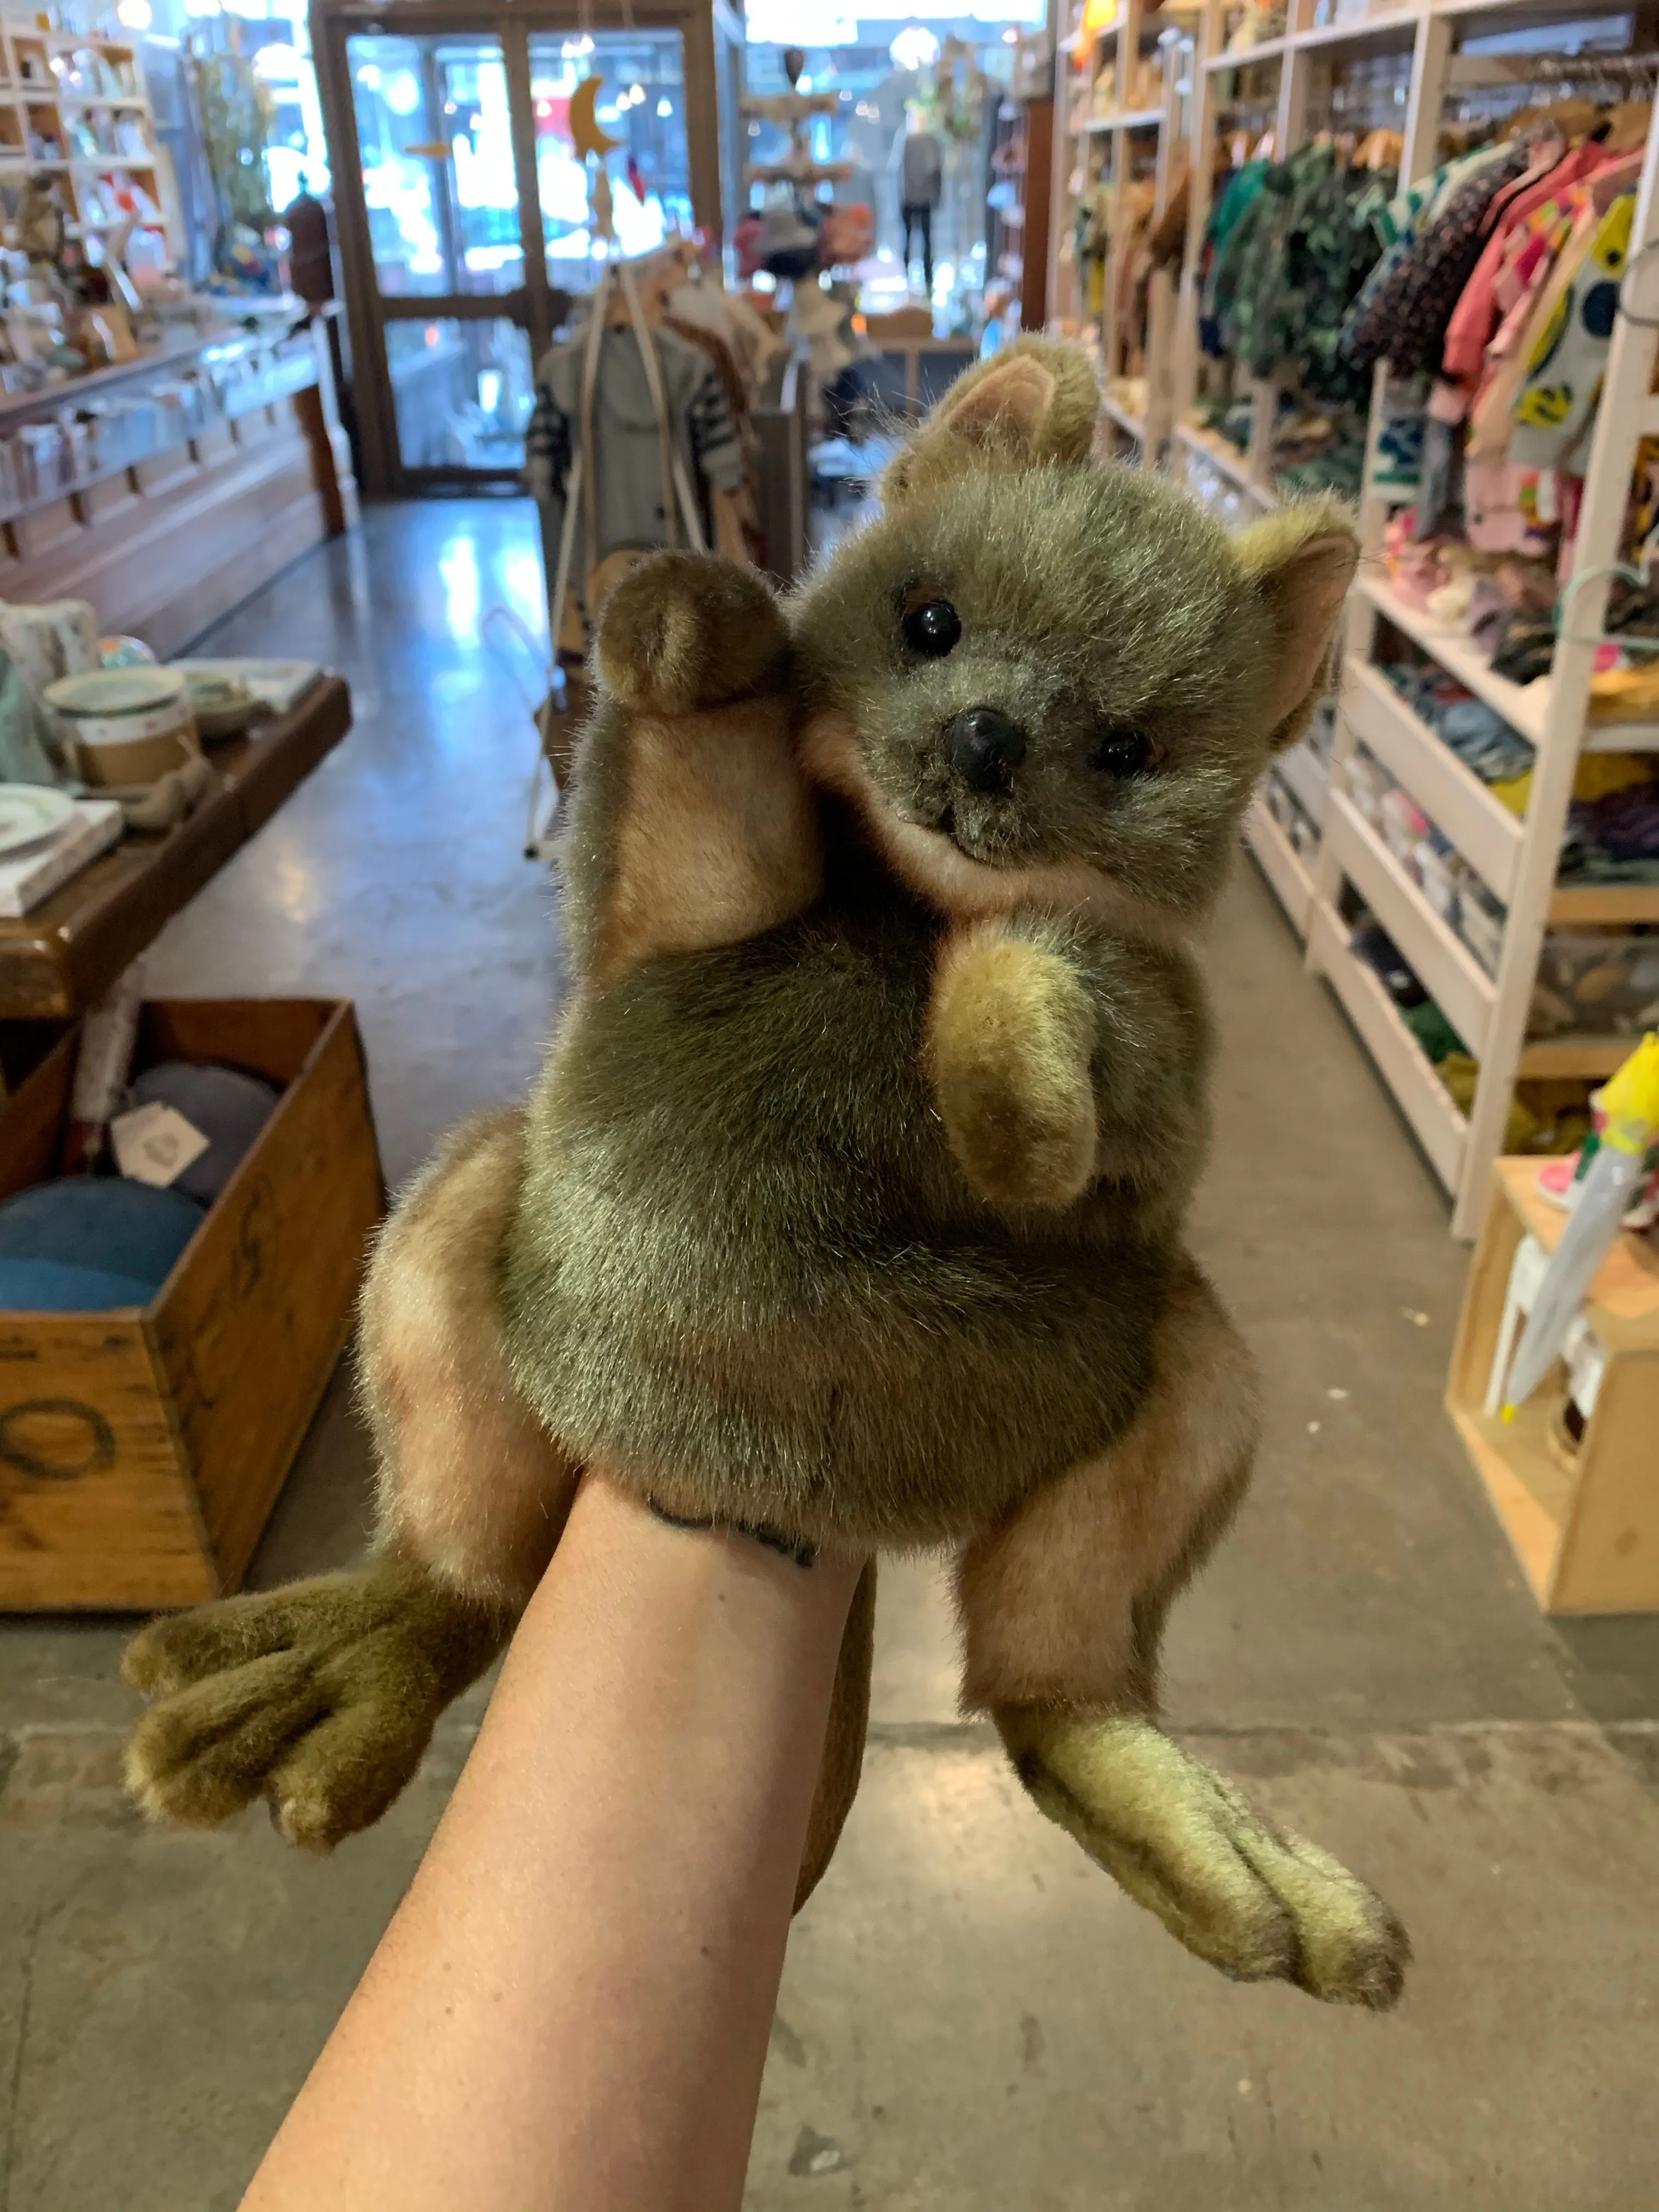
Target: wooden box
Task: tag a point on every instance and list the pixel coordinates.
(1583, 1514)
(142, 1451)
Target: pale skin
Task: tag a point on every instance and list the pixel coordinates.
(571, 2005)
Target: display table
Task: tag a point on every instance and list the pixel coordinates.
(60, 959)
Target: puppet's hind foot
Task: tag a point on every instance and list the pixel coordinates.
(1256, 1901)
(321, 1698)
(684, 631)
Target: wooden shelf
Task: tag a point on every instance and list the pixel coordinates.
(1133, 425)
(1280, 862)
(1584, 1520)
(1397, 27)
(1444, 965)
(1626, 905)
(1591, 1058)
(1522, 706)
(1460, 806)
(1525, 707)
(1224, 458)
(1406, 1070)
(1306, 776)
(1270, 50)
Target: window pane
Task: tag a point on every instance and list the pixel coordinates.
(437, 152)
(641, 105)
(461, 392)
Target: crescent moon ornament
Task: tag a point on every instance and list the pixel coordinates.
(586, 134)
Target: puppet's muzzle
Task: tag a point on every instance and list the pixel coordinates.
(985, 748)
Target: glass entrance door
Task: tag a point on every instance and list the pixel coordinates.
(446, 242)
(465, 154)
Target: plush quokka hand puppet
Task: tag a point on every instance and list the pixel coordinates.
(848, 1206)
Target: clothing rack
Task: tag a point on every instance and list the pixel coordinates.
(1517, 859)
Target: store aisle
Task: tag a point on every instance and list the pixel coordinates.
(973, 2019)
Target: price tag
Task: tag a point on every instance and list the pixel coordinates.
(155, 1144)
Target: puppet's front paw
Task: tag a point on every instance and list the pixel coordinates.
(321, 1698)
(1258, 1902)
(688, 630)
(1009, 1037)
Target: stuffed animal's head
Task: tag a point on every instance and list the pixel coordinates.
(1042, 681)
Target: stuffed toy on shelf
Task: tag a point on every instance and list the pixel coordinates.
(848, 1207)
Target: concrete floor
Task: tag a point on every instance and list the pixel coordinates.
(973, 2017)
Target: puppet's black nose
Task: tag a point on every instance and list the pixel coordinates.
(986, 748)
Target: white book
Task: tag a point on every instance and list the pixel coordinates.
(27, 877)
(278, 685)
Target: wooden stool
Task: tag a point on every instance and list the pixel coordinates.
(1581, 1510)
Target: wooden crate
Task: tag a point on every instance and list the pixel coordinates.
(142, 1451)
(1584, 1522)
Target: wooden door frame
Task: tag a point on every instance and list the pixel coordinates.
(335, 21)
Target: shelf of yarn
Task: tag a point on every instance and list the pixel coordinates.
(1525, 707)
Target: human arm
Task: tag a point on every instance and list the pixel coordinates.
(571, 2007)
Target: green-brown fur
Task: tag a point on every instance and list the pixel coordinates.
(867, 1226)
(747, 1268)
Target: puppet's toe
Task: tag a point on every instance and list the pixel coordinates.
(345, 1772)
(201, 1755)
(688, 630)
(321, 1698)
(1258, 1903)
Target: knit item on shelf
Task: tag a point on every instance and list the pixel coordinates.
(1480, 736)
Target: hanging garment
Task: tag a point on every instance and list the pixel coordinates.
(1314, 260)
(1477, 313)
(1490, 423)
(1562, 379)
(628, 485)
(1403, 225)
(1405, 322)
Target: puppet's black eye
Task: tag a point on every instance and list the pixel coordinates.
(932, 628)
(1124, 752)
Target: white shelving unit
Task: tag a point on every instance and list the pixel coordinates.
(1289, 79)
(72, 105)
(1134, 141)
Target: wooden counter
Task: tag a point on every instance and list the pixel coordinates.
(60, 959)
(165, 543)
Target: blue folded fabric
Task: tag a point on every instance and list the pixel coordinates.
(50, 1286)
(101, 1225)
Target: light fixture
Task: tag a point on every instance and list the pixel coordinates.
(803, 84)
(635, 95)
(1010, 36)
(135, 13)
(369, 76)
(914, 48)
(402, 92)
(664, 107)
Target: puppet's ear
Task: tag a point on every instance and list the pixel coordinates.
(1035, 403)
(1301, 561)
